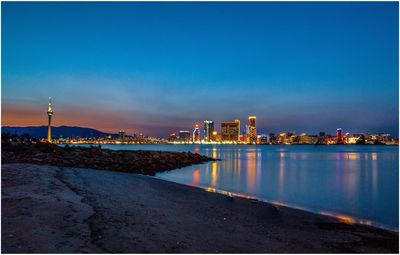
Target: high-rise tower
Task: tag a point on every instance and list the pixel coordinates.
(230, 131)
(339, 136)
(49, 114)
(196, 134)
(208, 130)
(238, 126)
(252, 130)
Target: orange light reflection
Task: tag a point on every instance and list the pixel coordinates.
(196, 177)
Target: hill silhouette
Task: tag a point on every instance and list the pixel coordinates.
(56, 132)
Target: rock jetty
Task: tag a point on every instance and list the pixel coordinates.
(142, 162)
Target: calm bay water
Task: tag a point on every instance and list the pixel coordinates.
(357, 183)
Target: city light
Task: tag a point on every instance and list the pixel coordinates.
(230, 133)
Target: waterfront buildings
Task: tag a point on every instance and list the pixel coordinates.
(184, 136)
(272, 139)
(263, 139)
(121, 134)
(293, 139)
(49, 114)
(307, 139)
(216, 137)
(208, 130)
(196, 134)
(230, 131)
(339, 136)
(238, 126)
(368, 139)
(355, 139)
(282, 138)
(252, 130)
(378, 138)
(173, 137)
(243, 138)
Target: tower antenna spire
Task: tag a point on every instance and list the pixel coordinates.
(49, 114)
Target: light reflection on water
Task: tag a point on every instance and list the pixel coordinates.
(348, 182)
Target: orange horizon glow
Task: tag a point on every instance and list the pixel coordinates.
(27, 115)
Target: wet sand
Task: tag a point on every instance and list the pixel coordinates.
(49, 209)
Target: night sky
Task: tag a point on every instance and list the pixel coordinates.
(156, 68)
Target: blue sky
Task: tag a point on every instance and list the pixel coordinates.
(160, 67)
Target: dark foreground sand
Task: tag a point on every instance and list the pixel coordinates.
(47, 209)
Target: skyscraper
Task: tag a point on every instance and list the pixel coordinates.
(49, 114)
(208, 130)
(339, 135)
(252, 130)
(238, 126)
(230, 131)
(196, 134)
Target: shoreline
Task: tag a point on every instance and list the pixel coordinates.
(241, 144)
(343, 218)
(158, 215)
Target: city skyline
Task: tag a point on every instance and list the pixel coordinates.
(229, 131)
(144, 71)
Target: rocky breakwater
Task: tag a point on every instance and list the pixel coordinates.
(143, 162)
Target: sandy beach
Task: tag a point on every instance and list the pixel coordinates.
(49, 209)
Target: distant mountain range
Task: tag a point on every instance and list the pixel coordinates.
(56, 132)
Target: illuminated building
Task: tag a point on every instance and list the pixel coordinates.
(293, 139)
(246, 129)
(230, 131)
(252, 121)
(307, 139)
(121, 134)
(320, 138)
(345, 138)
(172, 137)
(184, 136)
(272, 138)
(243, 138)
(208, 130)
(49, 114)
(263, 139)
(282, 138)
(238, 126)
(216, 137)
(354, 139)
(252, 130)
(378, 138)
(339, 136)
(385, 137)
(196, 134)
